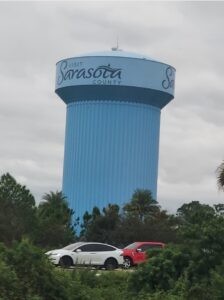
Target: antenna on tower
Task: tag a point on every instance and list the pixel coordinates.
(117, 46)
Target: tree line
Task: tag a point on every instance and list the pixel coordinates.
(52, 223)
(190, 267)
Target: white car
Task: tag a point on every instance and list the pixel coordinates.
(82, 253)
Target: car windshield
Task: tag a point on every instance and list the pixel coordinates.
(131, 246)
(72, 246)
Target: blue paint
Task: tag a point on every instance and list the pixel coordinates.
(127, 94)
(112, 127)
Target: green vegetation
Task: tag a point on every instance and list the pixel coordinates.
(26, 273)
(191, 267)
(54, 226)
(220, 176)
(141, 219)
(48, 225)
(17, 210)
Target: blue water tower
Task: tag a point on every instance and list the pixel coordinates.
(113, 100)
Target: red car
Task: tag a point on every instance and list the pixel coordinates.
(136, 253)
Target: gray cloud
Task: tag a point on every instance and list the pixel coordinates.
(187, 35)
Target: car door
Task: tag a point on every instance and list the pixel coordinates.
(145, 247)
(84, 255)
(103, 252)
(139, 255)
(88, 254)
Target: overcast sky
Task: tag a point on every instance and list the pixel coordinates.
(186, 35)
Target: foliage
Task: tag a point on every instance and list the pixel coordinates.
(195, 213)
(140, 219)
(27, 274)
(101, 227)
(9, 287)
(159, 226)
(220, 176)
(217, 282)
(190, 270)
(161, 272)
(48, 225)
(141, 205)
(100, 285)
(17, 210)
(55, 227)
(30, 272)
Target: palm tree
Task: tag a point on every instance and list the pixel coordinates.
(56, 224)
(220, 176)
(141, 204)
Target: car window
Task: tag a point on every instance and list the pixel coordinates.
(100, 247)
(72, 246)
(145, 247)
(131, 246)
(87, 248)
(96, 248)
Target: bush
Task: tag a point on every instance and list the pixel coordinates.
(161, 272)
(29, 268)
(9, 287)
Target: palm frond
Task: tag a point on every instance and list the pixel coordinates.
(220, 176)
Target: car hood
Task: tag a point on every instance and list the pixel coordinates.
(58, 251)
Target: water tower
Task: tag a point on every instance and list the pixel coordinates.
(113, 101)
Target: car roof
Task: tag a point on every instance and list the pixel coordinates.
(155, 243)
(78, 244)
(86, 243)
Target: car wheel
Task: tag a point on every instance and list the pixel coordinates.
(110, 264)
(65, 262)
(127, 262)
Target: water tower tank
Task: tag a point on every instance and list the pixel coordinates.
(113, 101)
